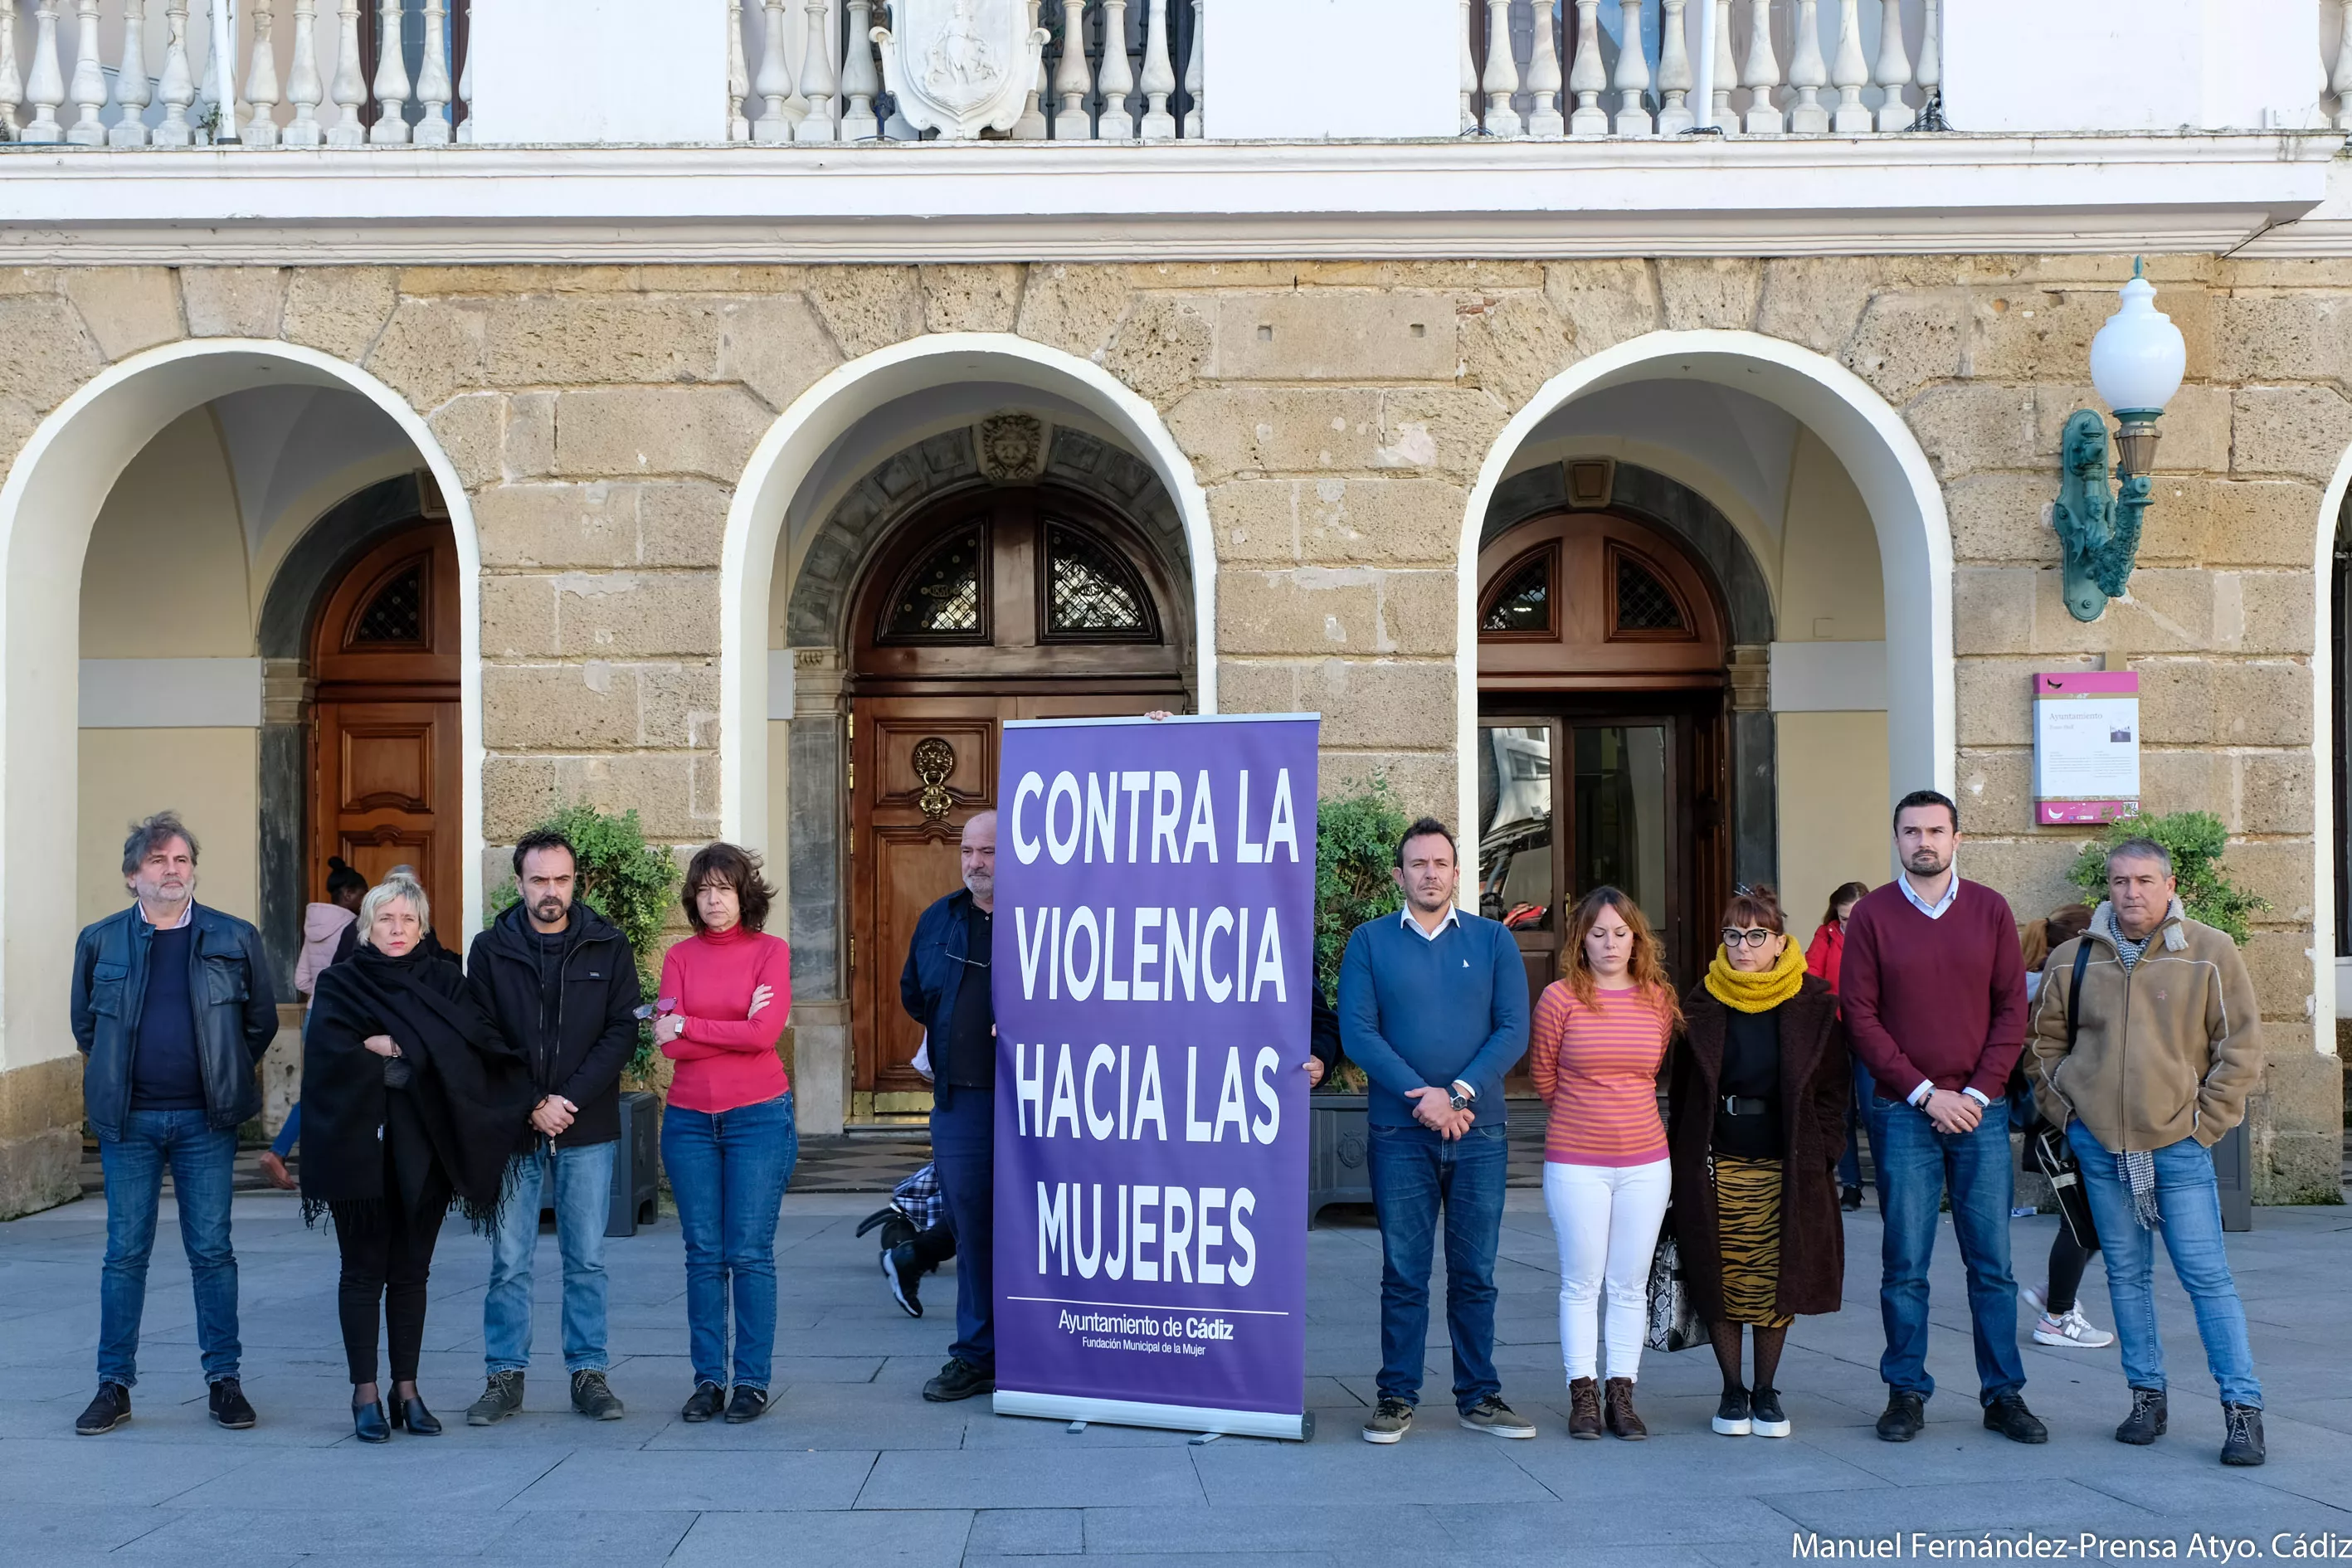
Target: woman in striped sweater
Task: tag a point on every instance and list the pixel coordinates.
(1599, 1034)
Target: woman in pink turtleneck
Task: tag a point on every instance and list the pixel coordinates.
(727, 1138)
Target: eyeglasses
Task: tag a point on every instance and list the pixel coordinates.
(665, 1004)
(1754, 936)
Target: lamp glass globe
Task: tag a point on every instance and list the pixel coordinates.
(2139, 357)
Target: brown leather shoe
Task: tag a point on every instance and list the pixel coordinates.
(1584, 1409)
(1621, 1419)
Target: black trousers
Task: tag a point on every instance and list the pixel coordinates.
(387, 1262)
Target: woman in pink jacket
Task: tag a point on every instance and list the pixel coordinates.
(1824, 957)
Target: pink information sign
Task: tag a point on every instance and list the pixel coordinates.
(2086, 746)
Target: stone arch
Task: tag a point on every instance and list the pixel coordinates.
(49, 505)
(788, 453)
(944, 465)
(1878, 451)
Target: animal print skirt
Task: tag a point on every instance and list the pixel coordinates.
(1747, 1236)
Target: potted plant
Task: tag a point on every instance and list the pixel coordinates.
(1355, 849)
(634, 884)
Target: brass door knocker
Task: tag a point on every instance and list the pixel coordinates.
(934, 761)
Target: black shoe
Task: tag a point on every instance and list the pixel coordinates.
(2145, 1423)
(111, 1409)
(708, 1400)
(2241, 1439)
(906, 1276)
(2008, 1416)
(749, 1404)
(593, 1398)
(1850, 1199)
(370, 1423)
(1731, 1418)
(501, 1398)
(1904, 1413)
(1764, 1407)
(959, 1380)
(410, 1416)
(230, 1408)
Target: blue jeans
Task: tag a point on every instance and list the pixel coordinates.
(203, 1162)
(964, 1148)
(1916, 1163)
(583, 1183)
(1857, 1121)
(1415, 1174)
(2190, 1201)
(728, 1171)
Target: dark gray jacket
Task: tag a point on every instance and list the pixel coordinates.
(237, 1012)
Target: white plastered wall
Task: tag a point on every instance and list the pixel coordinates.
(49, 508)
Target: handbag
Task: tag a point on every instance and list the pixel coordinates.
(2046, 1148)
(1673, 1324)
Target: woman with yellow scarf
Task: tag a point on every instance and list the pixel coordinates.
(1756, 1122)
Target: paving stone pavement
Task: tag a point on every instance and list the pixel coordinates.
(852, 1466)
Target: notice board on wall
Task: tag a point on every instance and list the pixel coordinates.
(2086, 746)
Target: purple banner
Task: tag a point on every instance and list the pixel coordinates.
(1153, 955)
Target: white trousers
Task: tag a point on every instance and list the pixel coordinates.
(1605, 1219)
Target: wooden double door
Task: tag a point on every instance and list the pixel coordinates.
(1024, 602)
(385, 762)
(1603, 742)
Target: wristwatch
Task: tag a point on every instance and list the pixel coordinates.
(1461, 1094)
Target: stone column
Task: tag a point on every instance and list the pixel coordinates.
(817, 750)
(1755, 830)
(287, 692)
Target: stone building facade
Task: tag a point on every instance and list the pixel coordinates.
(617, 446)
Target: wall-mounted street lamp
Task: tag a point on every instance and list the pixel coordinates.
(2136, 363)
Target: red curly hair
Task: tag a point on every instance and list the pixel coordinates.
(1646, 967)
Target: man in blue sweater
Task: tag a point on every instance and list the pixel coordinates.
(1433, 1007)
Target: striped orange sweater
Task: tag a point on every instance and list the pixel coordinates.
(1597, 1070)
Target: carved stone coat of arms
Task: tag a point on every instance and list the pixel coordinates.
(961, 65)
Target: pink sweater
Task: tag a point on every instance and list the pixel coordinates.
(726, 1059)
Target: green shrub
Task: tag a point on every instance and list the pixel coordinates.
(628, 881)
(2196, 839)
(1355, 847)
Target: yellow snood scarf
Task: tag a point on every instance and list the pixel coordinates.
(1756, 991)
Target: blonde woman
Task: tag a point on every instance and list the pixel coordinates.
(412, 1101)
(1600, 1036)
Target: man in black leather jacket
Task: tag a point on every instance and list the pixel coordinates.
(173, 1007)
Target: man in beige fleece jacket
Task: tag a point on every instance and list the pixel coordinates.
(2165, 1046)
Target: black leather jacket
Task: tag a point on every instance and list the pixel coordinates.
(237, 1012)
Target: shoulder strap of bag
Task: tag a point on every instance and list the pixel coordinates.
(2074, 992)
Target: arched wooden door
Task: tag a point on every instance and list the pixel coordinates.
(1028, 602)
(1601, 743)
(385, 735)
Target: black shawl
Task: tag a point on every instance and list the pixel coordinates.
(467, 1097)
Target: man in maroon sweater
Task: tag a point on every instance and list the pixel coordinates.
(1934, 989)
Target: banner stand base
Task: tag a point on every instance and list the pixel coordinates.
(1296, 1428)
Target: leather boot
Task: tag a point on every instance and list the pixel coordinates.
(1584, 1409)
(1621, 1417)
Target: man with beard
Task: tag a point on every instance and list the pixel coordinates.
(945, 987)
(562, 982)
(1934, 990)
(172, 1007)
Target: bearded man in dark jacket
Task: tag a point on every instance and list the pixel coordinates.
(562, 982)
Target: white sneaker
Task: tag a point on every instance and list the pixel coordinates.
(2071, 1331)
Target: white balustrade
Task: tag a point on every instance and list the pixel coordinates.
(350, 90)
(1031, 126)
(432, 89)
(45, 90)
(861, 76)
(1158, 77)
(304, 90)
(89, 90)
(1630, 66)
(1193, 78)
(177, 86)
(390, 127)
(261, 77)
(774, 82)
(1116, 77)
(12, 81)
(816, 79)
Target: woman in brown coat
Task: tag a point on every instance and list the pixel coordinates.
(1755, 1120)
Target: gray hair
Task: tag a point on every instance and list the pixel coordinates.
(394, 888)
(2140, 849)
(151, 834)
